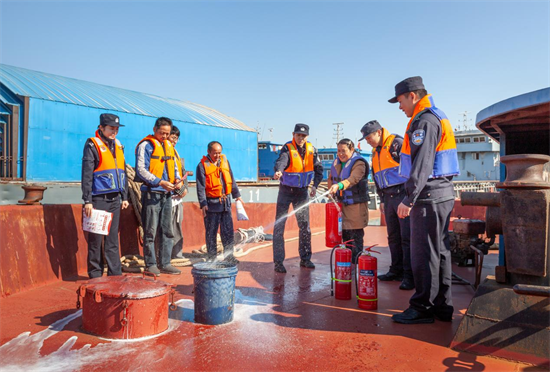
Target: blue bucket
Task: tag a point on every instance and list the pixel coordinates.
(214, 284)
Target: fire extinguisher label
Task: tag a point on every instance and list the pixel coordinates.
(340, 225)
(344, 264)
(367, 283)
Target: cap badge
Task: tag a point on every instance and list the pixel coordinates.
(116, 120)
(303, 129)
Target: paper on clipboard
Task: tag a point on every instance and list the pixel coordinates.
(98, 223)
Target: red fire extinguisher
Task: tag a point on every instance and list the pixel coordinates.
(366, 282)
(333, 224)
(342, 272)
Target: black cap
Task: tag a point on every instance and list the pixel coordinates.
(371, 127)
(301, 129)
(408, 85)
(109, 119)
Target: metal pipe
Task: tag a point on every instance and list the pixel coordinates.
(487, 199)
(532, 290)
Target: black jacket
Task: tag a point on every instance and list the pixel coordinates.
(90, 161)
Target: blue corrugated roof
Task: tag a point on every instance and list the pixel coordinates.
(84, 93)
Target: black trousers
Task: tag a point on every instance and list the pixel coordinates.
(431, 257)
(112, 253)
(224, 222)
(357, 236)
(297, 197)
(399, 236)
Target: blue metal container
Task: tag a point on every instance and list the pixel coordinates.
(214, 287)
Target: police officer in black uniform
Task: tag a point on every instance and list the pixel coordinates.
(294, 190)
(429, 159)
(390, 189)
(95, 196)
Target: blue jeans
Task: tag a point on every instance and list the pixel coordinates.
(156, 213)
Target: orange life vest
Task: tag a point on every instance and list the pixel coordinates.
(299, 172)
(384, 167)
(160, 158)
(109, 176)
(446, 158)
(214, 174)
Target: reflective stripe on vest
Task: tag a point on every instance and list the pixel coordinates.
(299, 172)
(358, 193)
(446, 158)
(213, 173)
(384, 167)
(160, 159)
(109, 176)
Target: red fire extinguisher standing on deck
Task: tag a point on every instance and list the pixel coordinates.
(342, 273)
(333, 224)
(366, 282)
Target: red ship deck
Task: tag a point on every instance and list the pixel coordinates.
(283, 322)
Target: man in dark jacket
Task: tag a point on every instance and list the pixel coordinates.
(297, 166)
(215, 185)
(386, 150)
(429, 161)
(104, 184)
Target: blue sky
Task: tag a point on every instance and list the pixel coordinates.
(273, 64)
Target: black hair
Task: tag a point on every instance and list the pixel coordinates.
(162, 121)
(211, 145)
(347, 142)
(175, 131)
(421, 93)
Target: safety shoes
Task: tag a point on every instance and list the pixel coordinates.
(280, 268)
(307, 264)
(169, 269)
(153, 270)
(413, 316)
(390, 276)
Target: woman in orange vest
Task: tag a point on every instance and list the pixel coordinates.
(104, 187)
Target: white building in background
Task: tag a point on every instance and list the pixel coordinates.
(478, 156)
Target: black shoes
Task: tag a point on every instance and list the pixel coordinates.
(307, 264)
(169, 269)
(443, 316)
(390, 276)
(232, 260)
(412, 316)
(280, 268)
(407, 284)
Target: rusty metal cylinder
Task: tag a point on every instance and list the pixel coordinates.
(525, 171)
(124, 307)
(487, 199)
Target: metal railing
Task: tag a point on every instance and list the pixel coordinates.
(474, 186)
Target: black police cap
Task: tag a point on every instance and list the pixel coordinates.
(109, 119)
(301, 129)
(408, 85)
(371, 127)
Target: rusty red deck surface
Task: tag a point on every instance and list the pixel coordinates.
(283, 322)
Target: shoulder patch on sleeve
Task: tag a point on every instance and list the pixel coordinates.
(418, 137)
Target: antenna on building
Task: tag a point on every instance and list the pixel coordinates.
(338, 132)
(465, 122)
